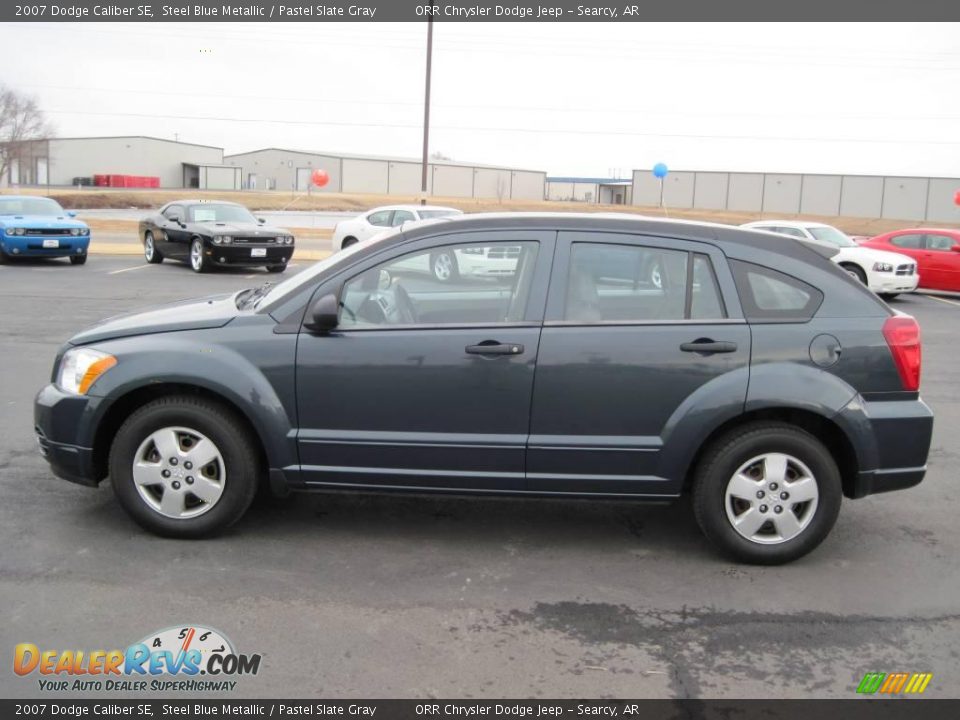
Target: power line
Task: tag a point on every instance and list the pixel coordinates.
(538, 131)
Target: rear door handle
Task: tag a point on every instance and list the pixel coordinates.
(709, 347)
(492, 347)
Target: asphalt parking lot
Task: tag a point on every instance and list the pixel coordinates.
(352, 596)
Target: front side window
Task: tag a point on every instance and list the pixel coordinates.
(940, 242)
(912, 242)
(631, 283)
(381, 218)
(465, 284)
(174, 211)
(767, 294)
(401, 216)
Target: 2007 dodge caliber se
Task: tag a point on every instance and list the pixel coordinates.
(745, 369)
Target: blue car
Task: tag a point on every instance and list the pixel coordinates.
(39, 227)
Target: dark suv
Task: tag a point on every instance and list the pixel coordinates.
(748, 370)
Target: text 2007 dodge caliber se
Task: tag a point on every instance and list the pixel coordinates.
(609, 357)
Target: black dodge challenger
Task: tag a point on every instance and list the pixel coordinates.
(213, 234)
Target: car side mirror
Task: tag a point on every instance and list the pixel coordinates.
(955, 248)
(71, 213)
(261, 220)
(174, 219)
(324, 314)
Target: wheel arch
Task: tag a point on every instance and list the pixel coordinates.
(125, 405)
(826, 430)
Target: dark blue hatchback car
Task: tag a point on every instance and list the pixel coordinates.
(38, 227)
(607, 357)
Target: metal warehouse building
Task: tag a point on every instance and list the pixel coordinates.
(280, 169)
(606, 191)
(60, 161)
(928, 199)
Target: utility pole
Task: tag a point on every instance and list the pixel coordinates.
(426, 113)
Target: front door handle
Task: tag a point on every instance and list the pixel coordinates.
(493, 347)
(708, 346)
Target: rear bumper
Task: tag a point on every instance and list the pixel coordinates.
(892, 441)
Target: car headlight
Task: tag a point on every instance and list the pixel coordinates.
(288, 239)
(217, 240)
(9, 231)
(226, 239)
(84, 231)
(19, 231)
(81, 367)
(882, 267)
(74, 231)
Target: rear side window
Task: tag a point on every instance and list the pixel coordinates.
(907, 241)
(631, 283)
(940, 242)
(770, 295)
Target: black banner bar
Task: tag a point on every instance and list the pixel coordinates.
(853, 709)
(475, 11)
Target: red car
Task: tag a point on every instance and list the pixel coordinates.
(936, 250)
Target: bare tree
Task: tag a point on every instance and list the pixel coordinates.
(22, 123)
(439, 156)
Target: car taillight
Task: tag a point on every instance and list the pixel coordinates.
(902, 334)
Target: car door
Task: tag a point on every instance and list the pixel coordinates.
(422, 383)
(173, 243)
(625, 362)
(942, 262)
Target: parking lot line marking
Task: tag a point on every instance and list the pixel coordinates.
(944, 300)
(135, 267)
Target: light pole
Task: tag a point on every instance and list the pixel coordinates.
(426, 113)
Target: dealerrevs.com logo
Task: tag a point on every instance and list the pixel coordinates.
(182, 658)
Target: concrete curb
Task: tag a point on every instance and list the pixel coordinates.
(130, 249)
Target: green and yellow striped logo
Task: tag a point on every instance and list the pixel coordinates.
(894, 683)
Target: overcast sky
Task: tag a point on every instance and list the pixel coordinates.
(571, 99)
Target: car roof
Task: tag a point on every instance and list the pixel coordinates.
(800, 224)
(413, 207)
(923, 230)
(26, 197)
(201, 202)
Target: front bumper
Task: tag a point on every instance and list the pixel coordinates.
(890, 283)
(243, 255)
(65, 427)
(892, 440)
(33, 245)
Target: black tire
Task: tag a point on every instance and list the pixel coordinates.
(856, 271)
(276, 268)
(443, 266)
(155, 257)
(78, 259)
(201, 264)
(887, 297)
(4, 258)
(221, 426)
(726, 456)
(347, 242)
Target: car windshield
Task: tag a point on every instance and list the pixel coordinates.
(219, 212)
(831, 235)
(30, 206)
(426, 214)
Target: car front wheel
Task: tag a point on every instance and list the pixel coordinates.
(150, 252)
(767, 493)
(444, 266)
(78, 259)
(856, 273)
(183, 467)
(276, 268)
(198, 261)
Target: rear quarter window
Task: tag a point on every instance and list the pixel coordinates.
(769, 295)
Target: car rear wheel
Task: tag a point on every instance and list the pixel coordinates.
(889, 296)
(150, 251)
(198, 261)
(856, 273)
(78, 259)
(767, 493)
(276, 268)
(184, 467)
(444, 266)
(347, 242)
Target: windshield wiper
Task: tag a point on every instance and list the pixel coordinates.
(250, 296)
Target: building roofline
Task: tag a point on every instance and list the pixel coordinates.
(892, 176)
(387, 158)
(591, 180)
(135, 137)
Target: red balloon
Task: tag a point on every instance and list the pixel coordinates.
(956, 197)
(320, 178)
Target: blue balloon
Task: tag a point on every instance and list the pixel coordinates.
(660, 171)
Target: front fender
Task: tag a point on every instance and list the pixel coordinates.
(250, 371)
